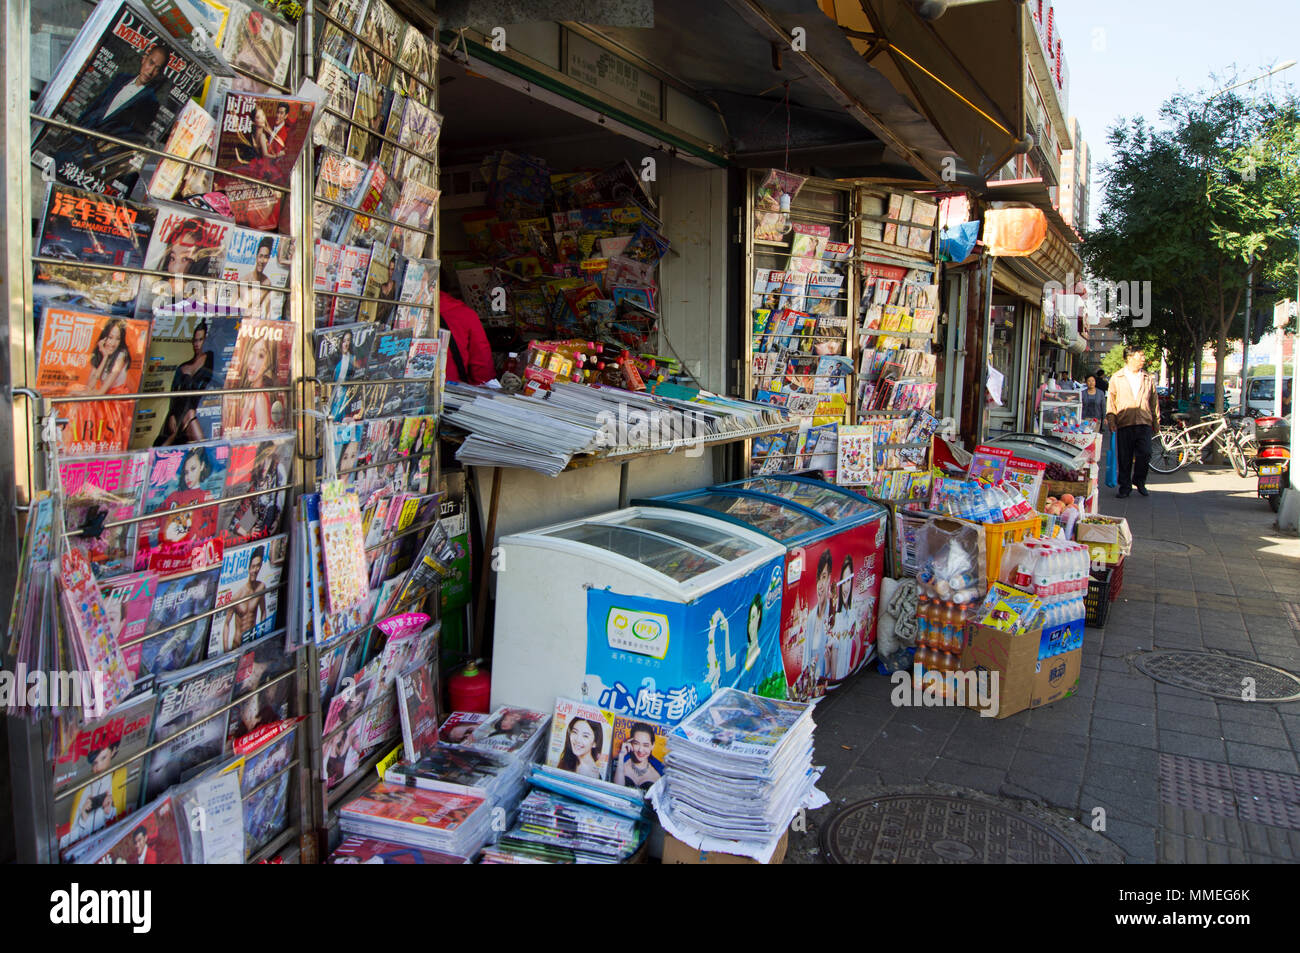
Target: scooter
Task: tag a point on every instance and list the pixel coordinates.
(1273, 462)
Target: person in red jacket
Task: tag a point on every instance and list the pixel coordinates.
(469, 359)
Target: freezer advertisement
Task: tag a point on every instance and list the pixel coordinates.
(660, 660)
(828, 623)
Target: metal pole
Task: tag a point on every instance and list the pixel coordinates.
(1279, 348)
(1245, 337)
(1295, 368)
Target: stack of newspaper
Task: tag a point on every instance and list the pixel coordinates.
(559, 830)
(738, 769)
(443, 821)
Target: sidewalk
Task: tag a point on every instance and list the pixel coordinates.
(1208, 572)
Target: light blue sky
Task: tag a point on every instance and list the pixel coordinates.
(1127, 56)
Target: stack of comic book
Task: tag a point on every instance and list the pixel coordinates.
(444, 821)
(738, 769)
(553, 829)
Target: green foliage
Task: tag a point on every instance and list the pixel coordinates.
(1113, 360)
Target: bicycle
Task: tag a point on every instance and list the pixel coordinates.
(1172, 449)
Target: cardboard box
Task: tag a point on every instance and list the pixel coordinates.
(1022, 680)
(676, 852)
(1109, 539)
(1080, 488)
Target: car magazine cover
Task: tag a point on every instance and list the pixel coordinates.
(388, 355)
(181, 477)
(184, 243)
(255, 259)
(187, 352)
(89, 748)
(417, 706)
(249, 583)
(263, 358)
(187, 697)
(125, 78)
(581, 735)
(96, 229)
(266, 813)
(103, 489)
(262, 467)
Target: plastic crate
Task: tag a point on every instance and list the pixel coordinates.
(1117, 579)
(1096, 604)
(997, 536)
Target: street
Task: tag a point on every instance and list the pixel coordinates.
(1178, 776)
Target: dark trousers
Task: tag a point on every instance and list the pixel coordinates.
(1133, 447)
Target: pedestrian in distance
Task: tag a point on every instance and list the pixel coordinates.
(1133, 411)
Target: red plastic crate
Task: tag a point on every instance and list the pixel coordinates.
(1117, 579)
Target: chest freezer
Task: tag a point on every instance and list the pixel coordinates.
(642, 611)
(834, 542)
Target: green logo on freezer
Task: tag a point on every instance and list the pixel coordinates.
(631, 630)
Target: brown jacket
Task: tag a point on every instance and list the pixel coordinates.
(1127, 409)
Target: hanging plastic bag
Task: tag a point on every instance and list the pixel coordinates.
(1112, 468)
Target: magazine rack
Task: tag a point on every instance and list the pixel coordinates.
(36, 804)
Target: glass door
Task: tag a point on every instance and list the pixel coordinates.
(1005, 330)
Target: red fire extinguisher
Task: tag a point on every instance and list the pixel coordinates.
(471, 689)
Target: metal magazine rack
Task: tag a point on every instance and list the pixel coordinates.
(37, 805)
(328, 790)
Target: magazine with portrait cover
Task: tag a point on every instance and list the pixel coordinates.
(192, 137)
(128, 600)
(124, 77)
(383, 280)
(266, 814)
(419, 287)
(258, 42)
(260, 137)
(186, 697)
(398, 810)
(249, 584)
(580, 739)
(459, 725)
(177, 600)
(637, 752)
(417, 706)
(343, 352)
(102, 489)
(367, 115)
(353, 262)
(384, 30)
(254, 258)
(367, 850)
(744, 727)
(511, 730)
(197, 25)
(263, 359)
(416, 206)
(256, 465)
(420, 129)
(92, 746)
(340, 179)
(184, 243)
(79, 226)
(187, 352)
(181, 477)
(149, 836)
(325, 269)
(265, 696)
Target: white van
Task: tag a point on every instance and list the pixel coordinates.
(1262, 391)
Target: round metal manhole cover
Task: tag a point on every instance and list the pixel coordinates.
(934, 829)
(1223, 676)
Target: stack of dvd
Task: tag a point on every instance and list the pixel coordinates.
(737, 771)
(559, 830)
(497, 778)
(442, 821)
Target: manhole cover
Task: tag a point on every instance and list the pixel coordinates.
(932, 829)
(1223, 676)
(1167, 546)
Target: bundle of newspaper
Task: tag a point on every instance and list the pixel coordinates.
(738, 770)
(560, 830)
(443, 821)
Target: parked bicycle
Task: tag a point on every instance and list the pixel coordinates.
(1184, 443)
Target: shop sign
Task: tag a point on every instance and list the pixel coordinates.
(614, 76)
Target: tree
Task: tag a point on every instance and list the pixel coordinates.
(1113, 360)
(1201, 208)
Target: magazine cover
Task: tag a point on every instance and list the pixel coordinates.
(459, 726)
(261, 137)
(84, 354)
(184, 242)
(258, 42)
(266, 813)
(353, 262)
(249, 583)
(151, 837)
(383, 280)
(187, 697)
(257, 465)
(509, 730)
(86, 227)
(741, 724)
(416, 206)
(855, 465)
(581, 735)
(378, 194)
(187, 352)
(253, 259)
(88, 748)
(637, 752)
(339, 179)
(354, 849)
(267, 701)
(195, 128)
(342, 546)
(263, 358)
(343, 352)
(388, 355)
(125, 78)
(421, 127)
(103, 489)
(417, 706)
(180, 477)
(419, 287)
(176, 600)
(367, 116)
(266, 760)
(128, 599)
(430, 810)
(94, 642)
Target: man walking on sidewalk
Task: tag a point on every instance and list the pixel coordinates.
(1133, 412)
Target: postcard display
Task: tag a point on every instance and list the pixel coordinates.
(801, 338)
(377, 551)
(164, 324)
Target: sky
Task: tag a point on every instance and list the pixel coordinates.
(1127, 56)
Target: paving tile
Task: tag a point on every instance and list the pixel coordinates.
(1249, 713)
(1258, 756)
(1192, 746)
(1102, 754)
(1055, 791)
(1123, 732)
(1255, 734)
(1190, 724)
(1138, 841)
(978, 777)
(1198, 705)
(1048, 765)
(1054, 742)
(1120, 711)
(1118, 806)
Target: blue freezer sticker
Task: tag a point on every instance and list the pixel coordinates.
(661, 660)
